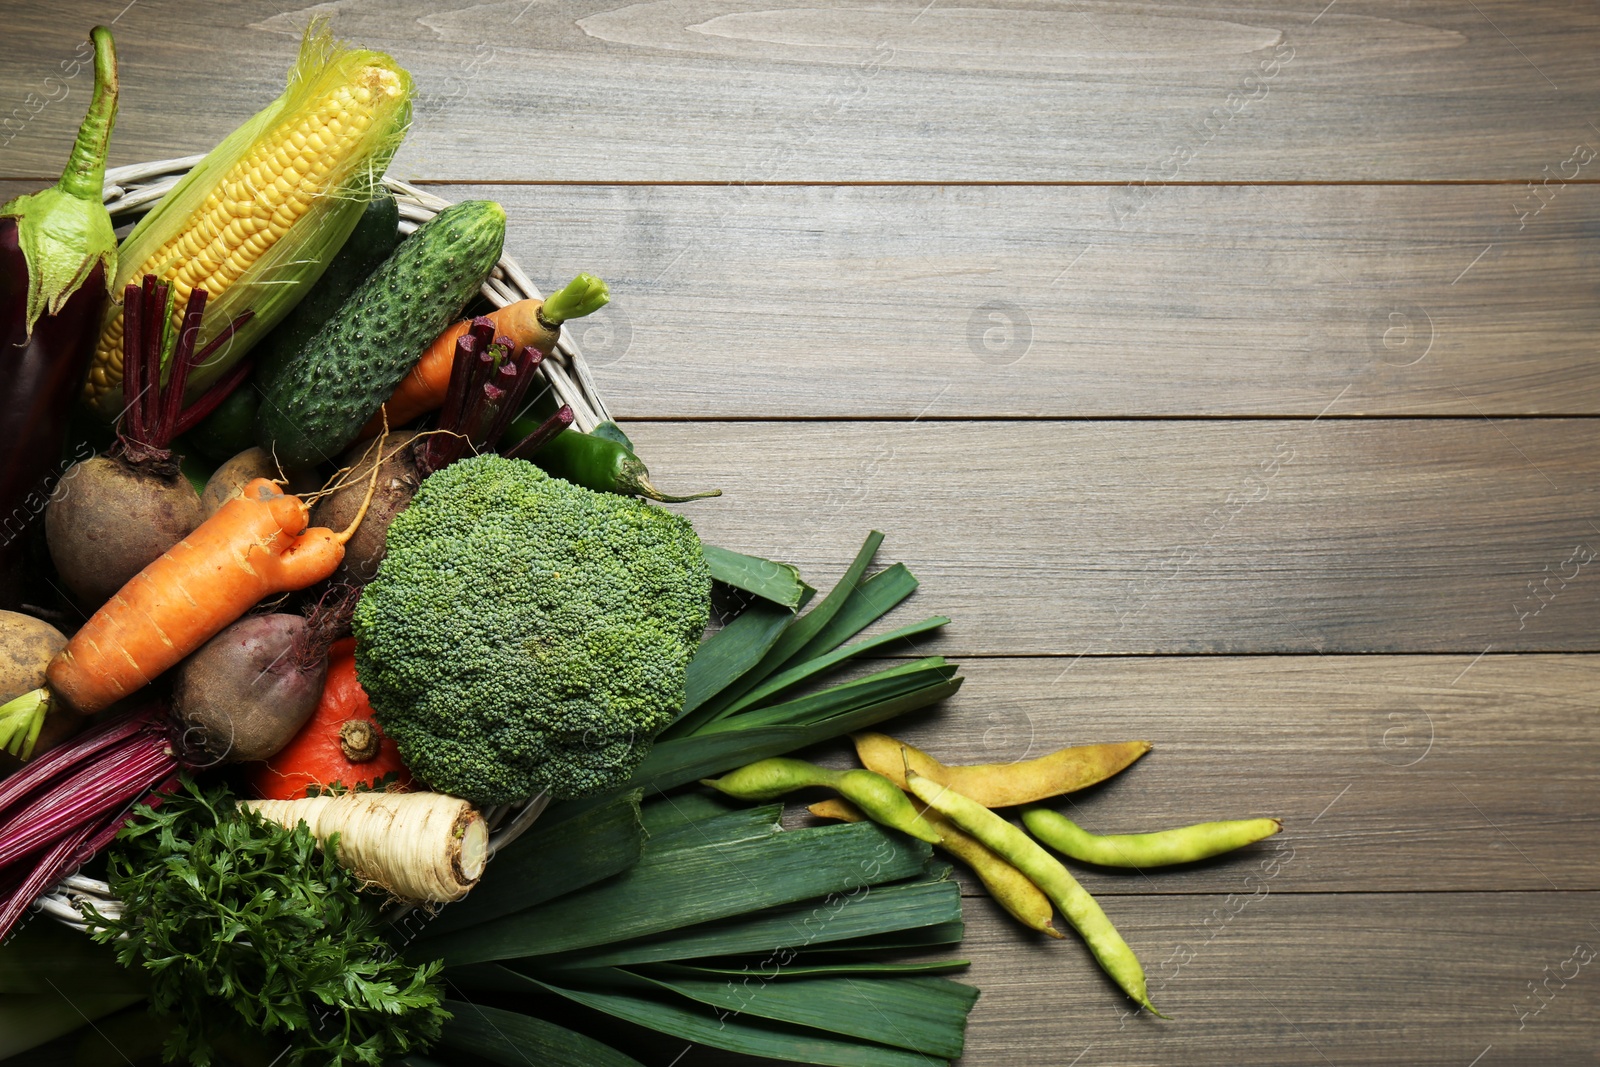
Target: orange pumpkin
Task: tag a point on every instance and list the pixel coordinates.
(341, 745)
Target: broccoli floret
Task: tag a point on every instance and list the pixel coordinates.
(523, 633)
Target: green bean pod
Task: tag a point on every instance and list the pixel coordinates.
(876, 796)
(769, 779)
(1184, 844)
(1046, 872)
(604, 465)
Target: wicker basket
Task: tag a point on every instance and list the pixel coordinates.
(129, 189)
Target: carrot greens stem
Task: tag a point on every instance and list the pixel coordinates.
(583, 295)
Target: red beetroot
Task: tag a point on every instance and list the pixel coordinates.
(114, 515)
(342, 745)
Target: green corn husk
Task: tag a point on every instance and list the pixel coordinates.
(279, 275)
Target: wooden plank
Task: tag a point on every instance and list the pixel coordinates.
(1160, 536)
(1391, 773)
(718, 90)
(939, 303)
(1283, 980)
(1272, 978)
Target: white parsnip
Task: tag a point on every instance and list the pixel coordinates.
(419, 847)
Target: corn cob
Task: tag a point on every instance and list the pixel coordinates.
(255, 223)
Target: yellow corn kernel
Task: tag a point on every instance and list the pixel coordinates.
(255, 203)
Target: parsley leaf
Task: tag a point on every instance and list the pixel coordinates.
(240, 922)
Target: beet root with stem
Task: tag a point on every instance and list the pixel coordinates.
(110, 519)
(245, 693)
(113, 515)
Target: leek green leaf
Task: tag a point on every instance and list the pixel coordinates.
(517, 1040)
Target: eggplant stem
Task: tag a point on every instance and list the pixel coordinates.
(86, 167)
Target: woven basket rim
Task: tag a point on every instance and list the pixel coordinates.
(134, 186)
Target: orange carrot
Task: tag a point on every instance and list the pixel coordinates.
(535, 323)
(254, 546)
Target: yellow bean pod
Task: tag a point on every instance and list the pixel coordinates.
(1002, 785)
(1008, 886)
(1183, 844)
(1046, 872)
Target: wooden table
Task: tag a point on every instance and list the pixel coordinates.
(1227, 372)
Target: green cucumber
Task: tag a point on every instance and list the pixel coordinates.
(376, 236)
(320, 398)
(231, 428)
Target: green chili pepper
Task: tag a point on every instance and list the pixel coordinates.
(1046, 872)
(1184, 844)
(611, 431)
(604, 465)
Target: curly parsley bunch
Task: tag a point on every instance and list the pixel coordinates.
(240, 923)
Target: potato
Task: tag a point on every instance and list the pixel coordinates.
(229, 480)
(27, 645)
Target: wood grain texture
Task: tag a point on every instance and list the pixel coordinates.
(1271, 978)
(1391, 773)
(1264, 977)
(958, 302)
(1436, 884)
(1065, 538)
(828, 90)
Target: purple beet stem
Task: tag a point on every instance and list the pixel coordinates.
(132, 363)
(126, 772)
(64, 807)
(63, 757)
(536, 440)
(71, 853)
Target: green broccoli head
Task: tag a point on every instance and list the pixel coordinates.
(523, 633)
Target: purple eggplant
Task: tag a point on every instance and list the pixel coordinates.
(58, 254)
